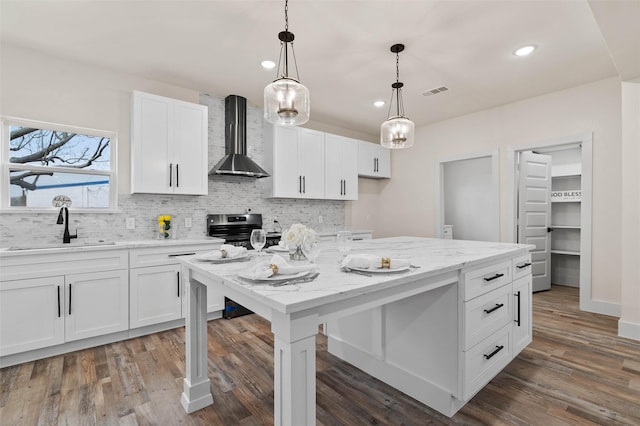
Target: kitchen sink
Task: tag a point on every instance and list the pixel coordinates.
(61, 245)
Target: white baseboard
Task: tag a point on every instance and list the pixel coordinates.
(630, 330)
(600, 307)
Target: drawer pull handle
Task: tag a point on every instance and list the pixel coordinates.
(180, 254)
(518, 319)
(497, 349)
(495, 308)
(524, 265)
(496, 276)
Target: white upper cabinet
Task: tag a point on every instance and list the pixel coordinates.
(169, 153)
(294, 157)
(373, 160)
(340, 168)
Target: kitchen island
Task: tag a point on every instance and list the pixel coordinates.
(438, 331)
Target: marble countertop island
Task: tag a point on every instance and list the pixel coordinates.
(432, 257)
(296, 310)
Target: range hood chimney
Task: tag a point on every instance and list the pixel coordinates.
(236, 162)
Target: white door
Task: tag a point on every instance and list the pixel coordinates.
(287, 181)
(97, 304)
(333, 178)
(311, 162)
(534, 214)
(189, 148)
(31, 314)
(155, 295)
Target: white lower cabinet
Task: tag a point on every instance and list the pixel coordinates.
(31, 314)
(155, 295)
(90, 297)
(96, 304)
(48, 311)
(522, 315)
(157, 284)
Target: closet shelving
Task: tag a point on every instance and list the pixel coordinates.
(565, 222)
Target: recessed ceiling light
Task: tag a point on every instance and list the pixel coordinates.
(378, 104)
(268, 65)
(524, 50)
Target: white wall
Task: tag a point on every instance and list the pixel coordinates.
(629, 324)
(407, 204)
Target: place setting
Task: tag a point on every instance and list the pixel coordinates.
(276, 272)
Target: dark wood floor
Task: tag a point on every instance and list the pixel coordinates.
(576, 371)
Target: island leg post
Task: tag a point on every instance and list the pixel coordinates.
(196, 392)
(294, 370)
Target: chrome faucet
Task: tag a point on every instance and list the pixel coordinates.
(66, 238)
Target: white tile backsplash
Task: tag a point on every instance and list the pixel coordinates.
(227, 194)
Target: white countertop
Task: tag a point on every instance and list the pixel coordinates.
(433, 256)
(75, 245)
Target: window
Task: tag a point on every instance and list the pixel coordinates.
(41, 161)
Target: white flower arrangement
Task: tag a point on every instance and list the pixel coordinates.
(293, 236)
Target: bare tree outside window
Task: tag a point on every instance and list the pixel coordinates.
(43, 162)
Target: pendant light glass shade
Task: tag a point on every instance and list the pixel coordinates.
(286, 100)
(398, 131)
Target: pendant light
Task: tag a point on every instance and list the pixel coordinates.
(398, 131)
(286, 101)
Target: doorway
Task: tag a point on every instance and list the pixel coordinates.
(573, 227)
(468, 196)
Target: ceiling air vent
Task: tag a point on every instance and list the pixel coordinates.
(435, 91)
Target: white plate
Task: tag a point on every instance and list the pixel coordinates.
(278, 277)
(278, 249)
(382, 270)
(207, 258)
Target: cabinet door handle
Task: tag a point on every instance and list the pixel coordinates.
(495, 308)
(497, 349)
(300, 184)
(170, 174)
(496, 276)
(59, 302)
(177, 175)
(304, 184)
(180, 254)
(524, 265)
(345, 187)
(178, 276)
(518, 318)
(69, 299)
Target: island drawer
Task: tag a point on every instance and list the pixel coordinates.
(485, 360)
(487, 314)
(484, 279)
(521, 266)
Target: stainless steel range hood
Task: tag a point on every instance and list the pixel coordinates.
(236, 162)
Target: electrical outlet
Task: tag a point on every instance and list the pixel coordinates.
(320, 219)
(131, 223)
(187, 222)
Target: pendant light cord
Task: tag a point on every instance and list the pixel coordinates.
(286, 15)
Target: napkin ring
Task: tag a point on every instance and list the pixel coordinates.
(223, 253)
(274, 268)
(386, 262)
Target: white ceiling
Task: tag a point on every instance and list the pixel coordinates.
(342, 48)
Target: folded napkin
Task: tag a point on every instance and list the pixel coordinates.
(371, 261)
(226, 251)
(277, 265)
